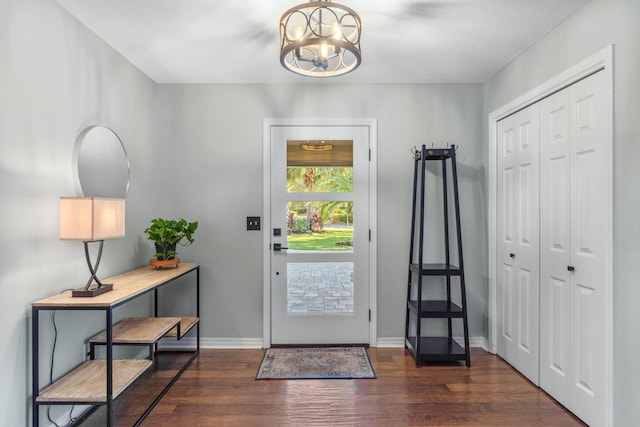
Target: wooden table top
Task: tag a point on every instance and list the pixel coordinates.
(125, 286)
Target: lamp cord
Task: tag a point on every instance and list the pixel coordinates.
(72, 419)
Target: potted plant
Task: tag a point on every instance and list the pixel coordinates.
(167, 234)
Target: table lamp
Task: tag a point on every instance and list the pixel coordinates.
(91, 219)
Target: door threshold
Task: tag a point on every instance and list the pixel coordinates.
(317, 345)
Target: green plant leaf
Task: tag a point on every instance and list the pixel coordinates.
(166, 233)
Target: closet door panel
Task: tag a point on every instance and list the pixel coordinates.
(584, 352)
(507, 223)
(555, 244)
(591, 163)
(527, 352)
(508, 243)
(573, 240)
(527, 229)
(557, 314)
(527, 342)
(507, 307)
(508, 206)
(558, 195)
(518, 252)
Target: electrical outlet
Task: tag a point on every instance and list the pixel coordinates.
(253, 223)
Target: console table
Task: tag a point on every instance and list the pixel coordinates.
(100, 381)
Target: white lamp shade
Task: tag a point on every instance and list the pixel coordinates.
(91, 218)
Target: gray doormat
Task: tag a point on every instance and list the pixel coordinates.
(316, 363)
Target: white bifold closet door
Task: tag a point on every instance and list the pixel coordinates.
(554, 163)
(518, 247)
(573, 240)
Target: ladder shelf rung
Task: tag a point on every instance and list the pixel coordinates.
(437, 349)
(437, 309)
(437, 269)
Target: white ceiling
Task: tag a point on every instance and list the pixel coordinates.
(403, 41)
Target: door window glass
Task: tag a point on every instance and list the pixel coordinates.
(319, 287)
(320, 166)
(320, 226)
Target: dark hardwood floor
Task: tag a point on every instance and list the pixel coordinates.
(219, 389)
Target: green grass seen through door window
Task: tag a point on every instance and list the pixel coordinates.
(330, 240)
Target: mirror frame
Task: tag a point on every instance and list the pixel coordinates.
(77, 149)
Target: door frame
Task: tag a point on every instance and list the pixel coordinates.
(372, 124)
(601, 61)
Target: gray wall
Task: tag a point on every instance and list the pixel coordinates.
(58, 80)
(596, 25)
(214, 142)
(55, 79)
(61, 78)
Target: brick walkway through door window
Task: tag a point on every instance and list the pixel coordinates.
(320, 287)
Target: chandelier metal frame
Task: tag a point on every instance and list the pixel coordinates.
(320, 39)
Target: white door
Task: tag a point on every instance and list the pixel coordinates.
(574, 171)
(518, 244)
(320, 213)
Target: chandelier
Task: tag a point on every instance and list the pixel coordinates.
(320, 39)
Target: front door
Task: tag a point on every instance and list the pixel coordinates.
(319, 235)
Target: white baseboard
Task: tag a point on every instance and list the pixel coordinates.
(481, 342)
(390, 342)
(398, 342)
(257, 343)
(211, 343)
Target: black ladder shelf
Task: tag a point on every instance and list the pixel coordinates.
(434, 348)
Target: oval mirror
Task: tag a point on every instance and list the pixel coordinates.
(101, 167)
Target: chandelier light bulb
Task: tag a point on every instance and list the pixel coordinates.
(324, 50)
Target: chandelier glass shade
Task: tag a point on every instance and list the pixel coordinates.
(320, 39)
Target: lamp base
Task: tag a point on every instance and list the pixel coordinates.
(82, 292)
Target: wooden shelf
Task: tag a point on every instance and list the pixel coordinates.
(186, 324)
(437, 269)
(138, 330)
(88, 382)
(436, 349)
(436, 309)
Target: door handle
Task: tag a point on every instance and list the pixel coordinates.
(277, 247)
(570, 268)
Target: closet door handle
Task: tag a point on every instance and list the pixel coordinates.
(570, 268)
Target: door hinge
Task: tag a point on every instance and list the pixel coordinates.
(369, 315)
(369, 234)
(369, 154)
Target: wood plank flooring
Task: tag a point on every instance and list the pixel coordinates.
(219, 389)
